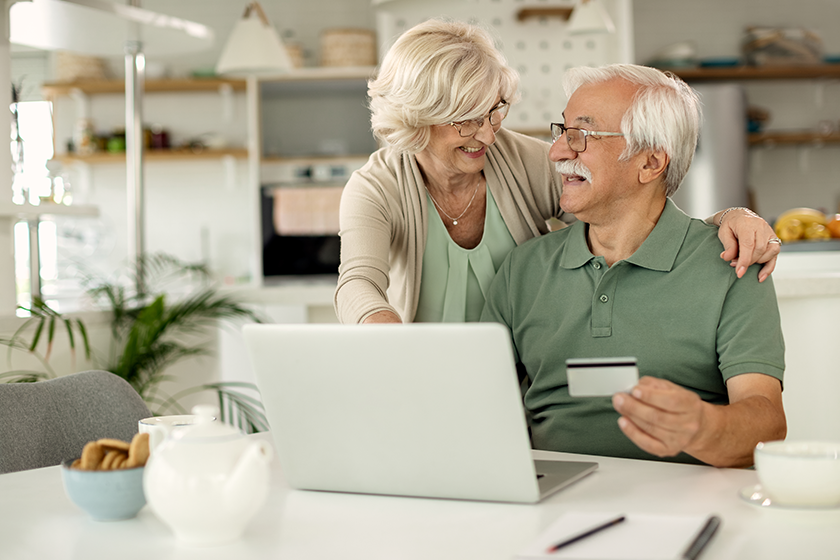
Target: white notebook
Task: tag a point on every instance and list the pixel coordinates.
(641, 536)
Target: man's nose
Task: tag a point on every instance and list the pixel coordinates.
(561, 151)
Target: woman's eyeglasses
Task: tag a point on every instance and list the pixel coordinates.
(496, 116)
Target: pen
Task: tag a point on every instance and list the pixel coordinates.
(587, 533)
(702, 538)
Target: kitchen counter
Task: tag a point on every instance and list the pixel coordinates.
(808, 290)
(807, 274)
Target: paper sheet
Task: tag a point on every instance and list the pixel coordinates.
(640, 537)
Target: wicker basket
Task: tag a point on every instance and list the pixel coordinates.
(348, 47)
(71, 67)
(295, 52)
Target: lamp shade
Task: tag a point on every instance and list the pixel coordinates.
(253, 48)
(590, 17)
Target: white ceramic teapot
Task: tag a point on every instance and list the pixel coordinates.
(206, 481)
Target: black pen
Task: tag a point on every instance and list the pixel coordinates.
(702, 539)
(587, 533)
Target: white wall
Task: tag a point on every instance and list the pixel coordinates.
(780, 178)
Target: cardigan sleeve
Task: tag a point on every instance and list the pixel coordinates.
(365, 231)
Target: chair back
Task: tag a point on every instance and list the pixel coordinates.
(47, 422)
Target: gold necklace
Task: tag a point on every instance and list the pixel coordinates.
(461, 215)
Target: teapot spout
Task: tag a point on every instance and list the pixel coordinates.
(250, 473)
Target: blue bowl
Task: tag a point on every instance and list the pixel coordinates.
(105, 495)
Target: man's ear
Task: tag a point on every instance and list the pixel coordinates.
(654, 166)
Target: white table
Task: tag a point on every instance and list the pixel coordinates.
(37, 520)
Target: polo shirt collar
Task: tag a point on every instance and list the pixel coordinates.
(658, 252)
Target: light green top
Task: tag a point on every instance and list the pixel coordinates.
(455, 280)
(673, 304)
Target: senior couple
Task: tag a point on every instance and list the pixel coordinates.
(449, 223)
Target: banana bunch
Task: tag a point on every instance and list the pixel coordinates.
(802, 223)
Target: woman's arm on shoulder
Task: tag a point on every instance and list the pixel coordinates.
(747, 239)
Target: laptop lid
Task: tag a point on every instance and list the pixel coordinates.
(431, 410)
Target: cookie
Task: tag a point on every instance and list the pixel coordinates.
(111, 443)
(138, 451)
(77, 464)
(92, 455)
(119, 461)
(108, 461)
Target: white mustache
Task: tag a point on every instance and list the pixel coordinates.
(573, 167)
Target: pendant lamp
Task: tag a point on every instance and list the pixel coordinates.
(253, 48)
(590, 17)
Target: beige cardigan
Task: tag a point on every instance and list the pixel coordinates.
(384, 217)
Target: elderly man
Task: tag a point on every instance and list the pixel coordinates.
(709, 346)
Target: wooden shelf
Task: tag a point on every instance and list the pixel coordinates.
(324, 73)
(153, 155)
(770, 138)
(351, 78)
(28, 211)
(315, 159)
(57, 89)
(757, 72)
(792, 138)
(301, 75)
(563, 12)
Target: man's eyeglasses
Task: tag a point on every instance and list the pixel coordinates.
(496, 116)
(576, 137)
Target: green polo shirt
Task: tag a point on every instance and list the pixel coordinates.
(674, 305)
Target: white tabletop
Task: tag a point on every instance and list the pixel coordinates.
(38, 521)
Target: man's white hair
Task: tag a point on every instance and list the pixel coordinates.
(664, 115)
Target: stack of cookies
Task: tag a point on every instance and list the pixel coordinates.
(111, 454)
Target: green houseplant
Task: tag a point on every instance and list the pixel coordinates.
(150, 331)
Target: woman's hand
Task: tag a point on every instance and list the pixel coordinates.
(382, 317)
(747, 239)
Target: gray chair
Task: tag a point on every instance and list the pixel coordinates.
(47, 422)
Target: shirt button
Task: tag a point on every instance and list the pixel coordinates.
(596, 265)
(604, 298)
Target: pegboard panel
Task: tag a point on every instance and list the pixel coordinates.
(538, 48)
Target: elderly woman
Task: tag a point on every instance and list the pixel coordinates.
(427, 221)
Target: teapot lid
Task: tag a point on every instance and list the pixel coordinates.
(206, 428)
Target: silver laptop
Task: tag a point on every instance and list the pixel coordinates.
(429, 410)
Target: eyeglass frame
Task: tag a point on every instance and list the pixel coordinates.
(480, 122)
(564, 129)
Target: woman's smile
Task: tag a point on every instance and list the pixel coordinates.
(473, 152)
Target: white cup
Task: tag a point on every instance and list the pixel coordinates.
(159, 427)
(800, 473)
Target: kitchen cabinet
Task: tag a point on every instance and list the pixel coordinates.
(314, 130)
(84, 92)
(283, 129)
(773, 73)
(297, 111)
(311, 114)
(808, 289)
(316, 112)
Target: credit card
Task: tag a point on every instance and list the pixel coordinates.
(601, 377)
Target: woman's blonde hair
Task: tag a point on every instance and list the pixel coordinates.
(437, 72)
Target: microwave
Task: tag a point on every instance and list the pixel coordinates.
(300, 229)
